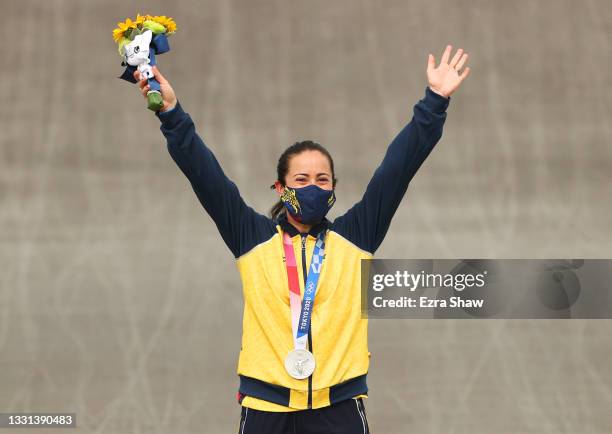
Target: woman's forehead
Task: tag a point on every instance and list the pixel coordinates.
(309, 161)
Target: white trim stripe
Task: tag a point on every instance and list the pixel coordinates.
(360, 415)
(246, 413)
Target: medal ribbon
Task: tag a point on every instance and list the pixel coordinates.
(301, 310)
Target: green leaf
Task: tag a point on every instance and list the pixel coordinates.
(155, 27)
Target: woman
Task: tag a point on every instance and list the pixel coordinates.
(304, 359)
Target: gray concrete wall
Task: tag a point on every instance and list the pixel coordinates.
(119, 300)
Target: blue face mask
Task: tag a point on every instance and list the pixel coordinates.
(308, 204)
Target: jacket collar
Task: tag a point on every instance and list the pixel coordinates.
(293, 231)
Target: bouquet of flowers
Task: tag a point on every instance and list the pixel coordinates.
(138, 42)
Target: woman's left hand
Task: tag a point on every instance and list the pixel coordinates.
(446, 78)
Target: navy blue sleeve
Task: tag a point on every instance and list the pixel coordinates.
(367, 222)
(241, 227)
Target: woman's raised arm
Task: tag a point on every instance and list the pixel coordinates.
(367, 222)
(240, 226)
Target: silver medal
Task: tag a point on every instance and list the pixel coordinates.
(300, 364)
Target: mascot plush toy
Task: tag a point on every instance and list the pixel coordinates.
(139, 41)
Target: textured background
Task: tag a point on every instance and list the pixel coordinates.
(119, 300)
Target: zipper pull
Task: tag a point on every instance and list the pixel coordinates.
(304, 257)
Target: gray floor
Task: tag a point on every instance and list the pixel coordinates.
(118, 299)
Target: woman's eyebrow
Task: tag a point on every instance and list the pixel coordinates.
(306, 174)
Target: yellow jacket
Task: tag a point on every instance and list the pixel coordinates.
(338, 335)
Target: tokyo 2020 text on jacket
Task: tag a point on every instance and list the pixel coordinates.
(338, 335)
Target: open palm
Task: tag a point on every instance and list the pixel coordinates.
(447, 76)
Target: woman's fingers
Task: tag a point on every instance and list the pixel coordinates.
(144, 83)
(456, 58)
(431, 62)
(141, 83)
(465, 73)
(446, 54)
(461, 62)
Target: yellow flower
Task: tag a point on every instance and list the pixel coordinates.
(128, 24)
(160, 19)
(117, 34)
(170, 26)
(165, 21)
(123, 27)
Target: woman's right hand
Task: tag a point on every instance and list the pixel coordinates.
(167, 92)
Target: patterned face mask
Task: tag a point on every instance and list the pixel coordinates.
(308, 204)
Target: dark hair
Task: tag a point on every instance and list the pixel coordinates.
(283, 167)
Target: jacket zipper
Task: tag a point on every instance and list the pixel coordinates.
(304, 274)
